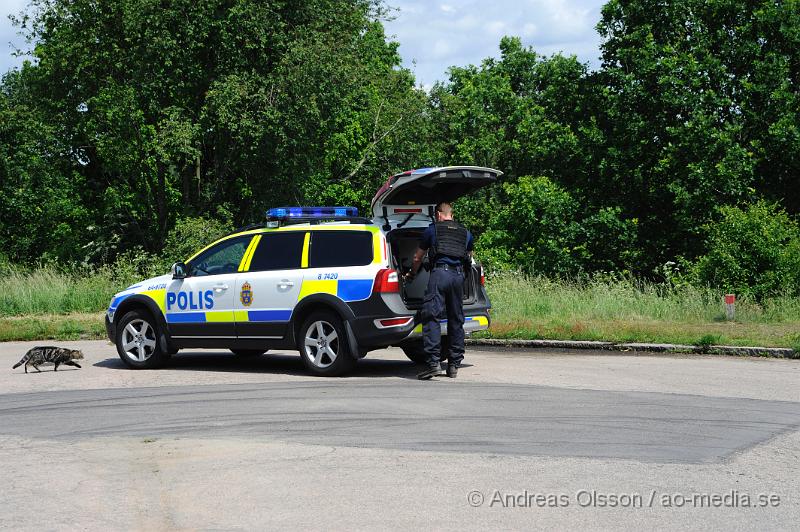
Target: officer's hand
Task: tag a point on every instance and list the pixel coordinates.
(409, 276)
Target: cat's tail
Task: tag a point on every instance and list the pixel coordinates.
(21, 362)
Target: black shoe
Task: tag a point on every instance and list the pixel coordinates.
(452, 371)
(433, 371)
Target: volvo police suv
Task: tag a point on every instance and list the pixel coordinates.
(317, 279)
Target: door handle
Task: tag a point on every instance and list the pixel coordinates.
(285, 283)
(220, 287)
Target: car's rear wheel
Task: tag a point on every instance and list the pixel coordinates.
(244, 353)
(323, 345)
(415, 350)
(137, 341)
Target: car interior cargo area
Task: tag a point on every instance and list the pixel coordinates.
(404, 244)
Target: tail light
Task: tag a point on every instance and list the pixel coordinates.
(393, 322)
(387, 281)
(483, 277)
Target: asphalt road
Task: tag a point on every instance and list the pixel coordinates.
(218, 442)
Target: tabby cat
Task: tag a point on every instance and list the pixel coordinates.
(50, 355)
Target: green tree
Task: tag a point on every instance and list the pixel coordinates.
(753, 251)
(170, 110)
(701, 110)
(536, 226)
(524, 114)
(41, 214)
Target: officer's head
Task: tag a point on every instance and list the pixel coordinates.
(444, 211)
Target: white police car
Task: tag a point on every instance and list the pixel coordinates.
(320, 280)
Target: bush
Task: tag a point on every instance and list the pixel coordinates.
(191, 234)
(753, 251)
(535, 227)
(136, 264)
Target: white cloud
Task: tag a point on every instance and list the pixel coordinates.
(529, 29)
(436, 36)
(442, 48)
(496, 27)
(10, 40)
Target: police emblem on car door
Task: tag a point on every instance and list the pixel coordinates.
(246, 294)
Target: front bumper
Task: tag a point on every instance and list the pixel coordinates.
(110, 330)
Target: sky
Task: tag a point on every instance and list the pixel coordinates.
(435, 35)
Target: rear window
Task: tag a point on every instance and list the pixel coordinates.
(340, 248)
(278, 251)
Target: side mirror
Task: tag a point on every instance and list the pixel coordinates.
(179, 270)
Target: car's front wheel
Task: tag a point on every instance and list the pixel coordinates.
(323, 345)
(137, 341)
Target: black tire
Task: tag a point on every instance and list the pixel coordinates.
(143, 342)
(317, 358)
(415, 351)
(245, 353)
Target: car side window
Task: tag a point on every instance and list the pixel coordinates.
(340, 248)
(222, 258)
(278, 251)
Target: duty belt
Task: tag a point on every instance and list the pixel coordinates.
(449, 267)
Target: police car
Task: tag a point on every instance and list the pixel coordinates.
(321, 280)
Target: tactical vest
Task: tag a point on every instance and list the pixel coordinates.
(451, 240)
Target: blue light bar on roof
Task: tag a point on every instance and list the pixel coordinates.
(284, 213)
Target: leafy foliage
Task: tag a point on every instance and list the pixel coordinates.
(752, 251)
(142, 127)
(192, 234)
(163, 111)
(537, 228)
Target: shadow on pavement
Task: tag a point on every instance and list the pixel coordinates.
(279, 362)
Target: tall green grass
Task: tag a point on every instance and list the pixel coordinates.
(50, 290)
(522, 307)
(630, 310)
(516, 297)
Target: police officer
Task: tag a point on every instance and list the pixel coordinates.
(450, 245)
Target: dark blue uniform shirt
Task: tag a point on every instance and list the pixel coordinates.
(429, 240)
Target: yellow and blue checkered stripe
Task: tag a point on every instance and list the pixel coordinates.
(482, 321)
(345, 289)
(229, 316)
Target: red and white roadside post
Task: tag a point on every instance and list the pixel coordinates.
(730, 306)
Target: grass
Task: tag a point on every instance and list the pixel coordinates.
(75, 326)
(634, 311)
(51, 304)
(48, 303)
(48, 290)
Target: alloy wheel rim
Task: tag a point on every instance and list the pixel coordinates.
(138, 340)
(321, 344)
